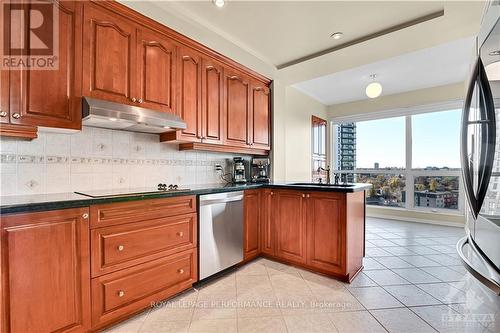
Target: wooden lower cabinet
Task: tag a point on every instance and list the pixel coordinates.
(121, 246)
(251, 244)
(45, 271)
(320, 231)
(141, 252)
(119, 294)
(290, 224)
(267, 228)
(326, 231)
(82, 269)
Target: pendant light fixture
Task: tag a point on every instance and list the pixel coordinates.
(374, 89)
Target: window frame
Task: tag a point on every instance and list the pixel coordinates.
(321, 126)
(409, 172)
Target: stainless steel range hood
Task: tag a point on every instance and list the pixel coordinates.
(99, 113)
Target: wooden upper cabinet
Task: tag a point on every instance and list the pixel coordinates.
(156, 57)
(51, 98)
(326, 231)
(189, 107)
(291, 225)
(237, 108)
(261, 116)
(212, 103)
(108, 55)
(251, 244)
(45, 271)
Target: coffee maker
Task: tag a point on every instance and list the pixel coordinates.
(260, 170)
(239, 170)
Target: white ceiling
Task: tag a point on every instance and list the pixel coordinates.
(430, 67)
(281, 31)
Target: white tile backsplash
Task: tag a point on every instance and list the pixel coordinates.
(96, 158)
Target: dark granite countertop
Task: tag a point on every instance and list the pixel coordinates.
(41, 202)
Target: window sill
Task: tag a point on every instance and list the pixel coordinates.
(417, 210)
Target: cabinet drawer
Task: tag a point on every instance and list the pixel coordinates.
(127, 291)
(125, 212)
(126, 245)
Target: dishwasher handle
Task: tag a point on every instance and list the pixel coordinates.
(220, 201)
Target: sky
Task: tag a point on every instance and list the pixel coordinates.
(435, 139)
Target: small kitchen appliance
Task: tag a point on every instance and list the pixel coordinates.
(260, 170)
(239, 170)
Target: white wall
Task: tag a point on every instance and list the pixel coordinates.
(292, 134)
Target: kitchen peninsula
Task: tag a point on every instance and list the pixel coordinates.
(144, 248)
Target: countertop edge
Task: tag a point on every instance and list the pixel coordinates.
(87, 201)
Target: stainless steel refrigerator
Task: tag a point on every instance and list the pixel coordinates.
(480, 249)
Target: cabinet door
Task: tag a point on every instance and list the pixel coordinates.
(46, 271)
(237, 109)
(251, 224)
(291, 226)
(326, 231)
(261, 116)
(189, 108)
(267, 229)
(52, 97)
(108, 55)
(156, 56)
(212, 115)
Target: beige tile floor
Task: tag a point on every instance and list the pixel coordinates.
(412, 282)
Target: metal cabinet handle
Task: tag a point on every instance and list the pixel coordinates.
(121, 293)
(120, 247)
(16, 116)
(303, 195)
(85, 215)
(180, 271)
(3, 113)
(180, 234)
(307, 195)
(140, 100)
(133, 99)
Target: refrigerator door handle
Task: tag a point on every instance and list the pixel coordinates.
(467, 172)
(486, 151)
(488, 136)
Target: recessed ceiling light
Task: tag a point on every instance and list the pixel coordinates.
(166, 127)
(337, 35)
(113, 119)
(219, 3)
(374, 89)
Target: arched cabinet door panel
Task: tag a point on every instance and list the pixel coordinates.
(189, 106)
(51, 97)
(108, 55)
(261, 116)
(212, 104)
(156, 56)
(237, 109)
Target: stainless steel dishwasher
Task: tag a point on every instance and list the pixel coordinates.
(221, 231)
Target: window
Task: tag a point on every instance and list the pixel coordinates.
(318, 148)
(436, 140)
(381, 143)
(412, 156)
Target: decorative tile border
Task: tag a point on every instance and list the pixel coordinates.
(37, 159)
